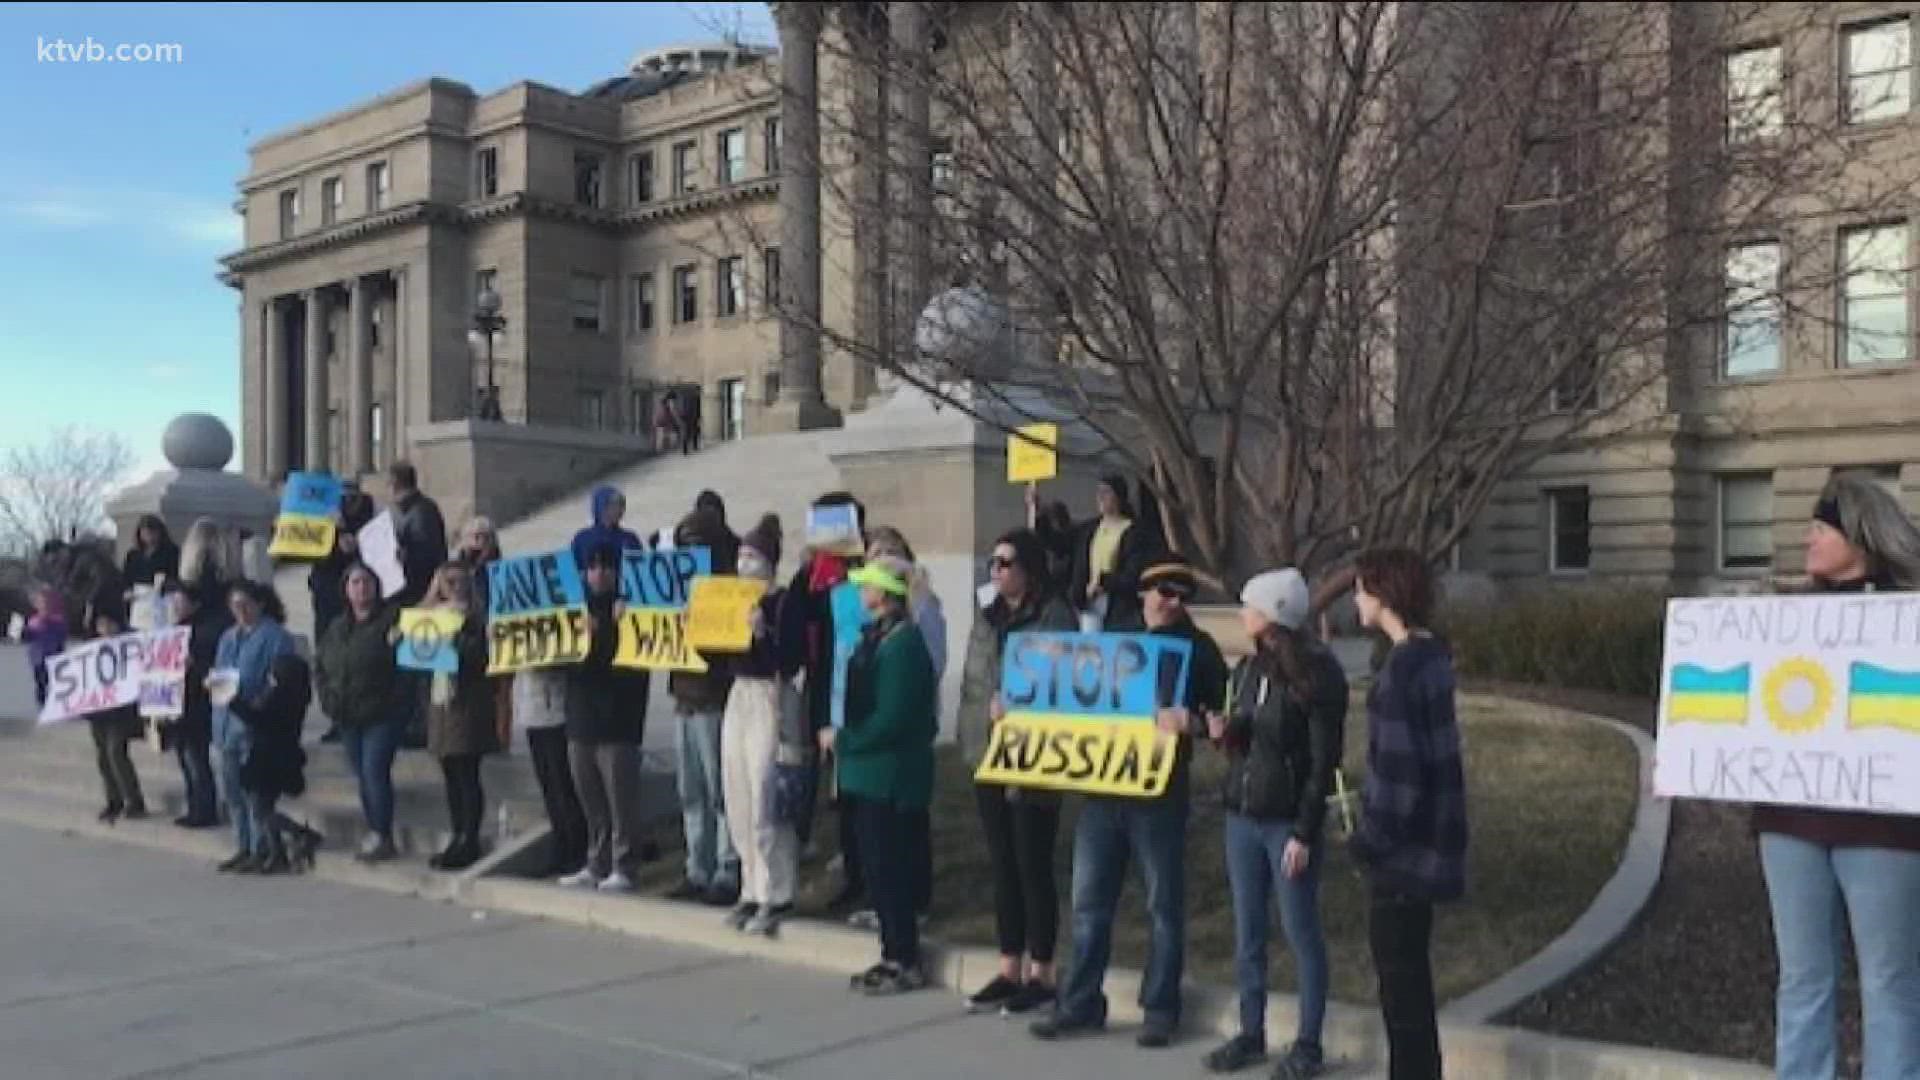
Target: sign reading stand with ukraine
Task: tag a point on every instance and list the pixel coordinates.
(1800, 700)
(1080, 713)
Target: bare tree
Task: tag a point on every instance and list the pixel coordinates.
(57, 489)
(1326, 273)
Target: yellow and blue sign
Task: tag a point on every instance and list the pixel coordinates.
(1884, 698)
(1702, 695)
(305, 527)
(1080, 712)
(656, 587)
(427, 640)
(536, 613)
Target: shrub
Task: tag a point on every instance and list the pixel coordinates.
(1584, 638)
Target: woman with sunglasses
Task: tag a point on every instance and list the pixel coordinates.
(1149, 832)
(1021, 824)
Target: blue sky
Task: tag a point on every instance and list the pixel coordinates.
(116, 197)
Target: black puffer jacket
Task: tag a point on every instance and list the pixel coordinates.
(1283, 746)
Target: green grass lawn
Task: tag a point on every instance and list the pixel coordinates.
(1551, 800)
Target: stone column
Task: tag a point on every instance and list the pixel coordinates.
(911, 247)
(360, 301)
(866, 69)
(802, 405)
(274, 358)
(316, 389)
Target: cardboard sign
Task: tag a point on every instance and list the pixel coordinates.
(380, 550)
(1032, 453)
(427, 640)
(305, 527)
(1800, 700)
(655, 639)
(163, 682)
(662, 579)
(109, 673)
(849, 618)
(536, 613)
(1080, 713)
(835, 530)
(720, 613)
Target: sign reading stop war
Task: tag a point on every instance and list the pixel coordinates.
(1798, 700)
(657, 587)
(427, 640)
(655, 639)
(536, 613)
(113, 672)
(305, 527)
(1080, 711)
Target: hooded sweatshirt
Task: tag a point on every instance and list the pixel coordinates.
(596, 534)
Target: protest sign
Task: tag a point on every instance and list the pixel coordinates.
(148, 609)
(536, 613)
(380, 550)
(835, 530)
(1031, 454)
(426, 640)
(657, 587)
(1799, 700)
(1080, 713)
(849, 618)
(109, 673)
(720, 613)
(163, 679)
(304, 529)
(655, 639)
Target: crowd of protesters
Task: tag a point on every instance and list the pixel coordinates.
(769, 736)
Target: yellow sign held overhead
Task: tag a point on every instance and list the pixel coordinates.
(297, 537)
(1033, 453)
(720, 613)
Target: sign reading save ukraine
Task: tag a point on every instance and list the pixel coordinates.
(1800, 700)
(305, 527)
(1080, 713)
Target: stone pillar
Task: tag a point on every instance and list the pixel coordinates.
(802, 406)
(274, 358)
(912, 217)
(395, 413)
(867, 45)
(316, 389)
(360, 301)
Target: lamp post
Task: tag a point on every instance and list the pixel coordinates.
(487, 321)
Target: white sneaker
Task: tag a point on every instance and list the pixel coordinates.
(582, 878)
(616, 882)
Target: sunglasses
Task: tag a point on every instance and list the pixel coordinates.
(1174, 592)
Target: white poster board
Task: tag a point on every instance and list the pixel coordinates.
(380, 550)
(128, 669)
(1798, 700)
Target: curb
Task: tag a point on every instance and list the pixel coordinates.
(1613, 910)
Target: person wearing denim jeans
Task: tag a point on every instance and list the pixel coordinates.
(1114, 830)
(1827, 867)
(363, 692)
(192, 733)
(370, 750)
(242, 663)
(700, 703)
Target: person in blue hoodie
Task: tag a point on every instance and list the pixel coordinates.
(609, 506)
(241, 667)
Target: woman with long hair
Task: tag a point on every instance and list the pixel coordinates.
(1825, 865)
(210, 561)
(362, 691)
(241, 667)
(153, 558)
(1108, 556)
(460, 718)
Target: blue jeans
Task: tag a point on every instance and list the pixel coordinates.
(196, 769)
(239, 807)
(1812, 888)
(1111, 830)
(370, 752)
(711, 861)
(1254, 852)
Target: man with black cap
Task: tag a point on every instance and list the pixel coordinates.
(1114, 830)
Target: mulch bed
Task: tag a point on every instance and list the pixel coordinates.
(1696, 971)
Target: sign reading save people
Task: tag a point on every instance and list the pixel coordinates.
(1080, 713)
(536, 613)
(304, 529)
(1802, 700)
(656, 587)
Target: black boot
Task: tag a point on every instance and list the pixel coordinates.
(464, 852)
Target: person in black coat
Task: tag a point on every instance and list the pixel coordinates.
(327, 579)
(192, 734)
(153, 558)
(113, 730)
(1110, 553)
(275, 764)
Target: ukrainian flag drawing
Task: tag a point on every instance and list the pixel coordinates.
(1883, 697)
(1706, 696)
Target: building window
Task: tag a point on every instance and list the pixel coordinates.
(373, 323)
(686, 294)
(770, 279)
(593, 410)
(289, 213)
(586, 178)
(1746, 522)
(487, 280)
(733, 408)
(584, 298)
(640, 177)
(1569, 532)
(771, 387)
(640, 303)
(685, 164)
(640, 412)
(1754, 107)
(770, 144)
(730, 285)
(1873, 295)
(330, 200)
(379, 185)
(1879, 70)
(487, 170)
(733, 156)
(940, 165)
(1751, 330)
(377, 435)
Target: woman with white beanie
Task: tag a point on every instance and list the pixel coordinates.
(1282, 734)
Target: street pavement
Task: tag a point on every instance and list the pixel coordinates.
(120, 962)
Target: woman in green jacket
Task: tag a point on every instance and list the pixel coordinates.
(884, 758)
